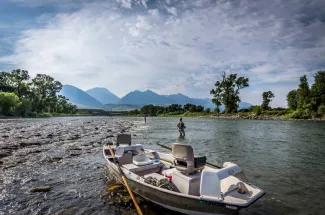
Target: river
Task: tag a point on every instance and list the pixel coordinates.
(285, 158)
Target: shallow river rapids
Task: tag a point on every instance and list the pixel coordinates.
(63, 156)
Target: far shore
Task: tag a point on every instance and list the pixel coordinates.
(235, 117)
(214, 116)
(260, 117)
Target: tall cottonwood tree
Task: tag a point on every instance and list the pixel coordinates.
(227, 91)
(267, 98)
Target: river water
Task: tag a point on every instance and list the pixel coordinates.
(285, 158)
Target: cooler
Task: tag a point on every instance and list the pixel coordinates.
(188, 184)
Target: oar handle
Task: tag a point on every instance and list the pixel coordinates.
(126, 184)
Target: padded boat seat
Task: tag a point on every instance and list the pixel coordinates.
(141, 160)
(184, 159)
(123, 139)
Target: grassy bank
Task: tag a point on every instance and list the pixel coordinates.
(264, 115)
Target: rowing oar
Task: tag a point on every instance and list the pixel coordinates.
(167, 147)
(126, 183)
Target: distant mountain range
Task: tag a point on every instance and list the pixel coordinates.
(146, 97)
(102, 98)
(80, 97)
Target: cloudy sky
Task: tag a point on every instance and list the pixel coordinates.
(168, 46)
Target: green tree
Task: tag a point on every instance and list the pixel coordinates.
(216, 110)
(199, 108)
(227, 91)
(267, 98)
(193, 108)
(303, 93)
(187, 107)
(8, 101)
(44, 91)
(20, 82)
(217, 97)
(321, 109)
(318, 89)
(208, 110)
(174, 108)
(257, 110)
(24, 108)
(6, 82)
(292, 99)
(190, 108)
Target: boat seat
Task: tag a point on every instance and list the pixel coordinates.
(123, 139)
(184, 159)
(141, 159)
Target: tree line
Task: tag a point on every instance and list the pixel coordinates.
(303, 102)
(306, 101)
(227, 90)
(22, 96)
(173, 109)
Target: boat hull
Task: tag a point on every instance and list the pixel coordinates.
(173, 202)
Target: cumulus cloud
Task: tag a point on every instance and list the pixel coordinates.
(178, 46)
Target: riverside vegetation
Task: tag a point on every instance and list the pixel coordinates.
(303, 103)
(22, 96)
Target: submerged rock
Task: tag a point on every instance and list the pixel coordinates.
(74, 154)
(26, 144)
(49, 135)
(114, 187)
(54, 159)
(36, 151)
(4, 154)
(67, 211)
(76, 148)
(41, 189)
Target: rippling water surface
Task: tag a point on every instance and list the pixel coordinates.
(285, 158)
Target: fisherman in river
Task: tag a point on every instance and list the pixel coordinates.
(145, 118)
(181, 127)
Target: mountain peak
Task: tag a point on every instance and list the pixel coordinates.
(149, 91)
(103, 95)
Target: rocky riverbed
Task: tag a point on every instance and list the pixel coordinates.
(55, 166)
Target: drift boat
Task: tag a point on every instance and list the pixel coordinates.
(180, 181)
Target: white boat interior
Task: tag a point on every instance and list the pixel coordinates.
(186, 173)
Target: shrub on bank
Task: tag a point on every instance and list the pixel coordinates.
(257, 110)
(244, 113)
(275, 112)
(321, 109)
(45, 115)
(32, 114)
(300, 114)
